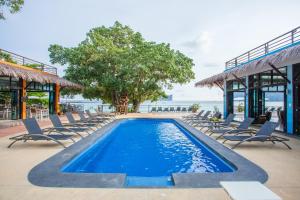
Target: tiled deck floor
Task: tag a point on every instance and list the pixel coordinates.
(281, 164)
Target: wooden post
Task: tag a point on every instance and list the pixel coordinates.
(56, 98)
(23, 101)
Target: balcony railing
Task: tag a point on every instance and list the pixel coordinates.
(281, 42)
(21, 60)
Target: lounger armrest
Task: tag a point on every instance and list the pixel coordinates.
(67, 129)
(18, 136)
(51, 130)
(281, 138)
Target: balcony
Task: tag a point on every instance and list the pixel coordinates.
(21, 60)
(279, 43)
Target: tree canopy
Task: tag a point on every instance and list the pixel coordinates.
(116, 61)
(13, 6)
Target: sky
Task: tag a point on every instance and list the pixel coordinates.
(210, 32)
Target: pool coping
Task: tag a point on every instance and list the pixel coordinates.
(48, 173)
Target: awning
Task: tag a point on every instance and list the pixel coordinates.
(30, 74)
(279, 59)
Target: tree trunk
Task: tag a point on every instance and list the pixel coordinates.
(136, 106)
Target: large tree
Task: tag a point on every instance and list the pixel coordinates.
(113, 62)
(13, 6)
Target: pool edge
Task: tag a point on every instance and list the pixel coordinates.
(48, 173)
(246, 169)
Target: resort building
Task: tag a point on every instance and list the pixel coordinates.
(264, 83)
(20, 75)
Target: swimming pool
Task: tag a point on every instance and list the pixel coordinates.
(145, 153)
(148, 151)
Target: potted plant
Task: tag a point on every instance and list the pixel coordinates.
(240, 107)
(195, 107)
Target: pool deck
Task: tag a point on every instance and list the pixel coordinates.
(281, 164)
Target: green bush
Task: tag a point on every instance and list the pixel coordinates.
(195, 107)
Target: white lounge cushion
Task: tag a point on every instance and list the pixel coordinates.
(248, 190)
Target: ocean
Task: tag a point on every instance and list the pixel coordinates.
(147, 106)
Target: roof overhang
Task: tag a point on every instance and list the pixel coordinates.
(279, 59)
(30, 74)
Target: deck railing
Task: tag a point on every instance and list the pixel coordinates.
(281, 42)
(21, 60)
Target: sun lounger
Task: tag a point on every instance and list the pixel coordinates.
(246, 190)
(193, 116)
(264, 134)
(183, 109)
(98, 118)
(210, 125)
(102, 114)
(35, 133)
(159, 109)
(172, 109)
(153, 109)
(97, 122)
(197, 117)
(80, 122)
(67, 127)
(200, 120)
(242, 127)
(178, 109)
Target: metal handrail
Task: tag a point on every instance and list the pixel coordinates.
(283, 41)
(21, 60)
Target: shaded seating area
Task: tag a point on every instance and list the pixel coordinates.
(20, 77)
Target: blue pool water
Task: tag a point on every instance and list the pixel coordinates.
(148, 151)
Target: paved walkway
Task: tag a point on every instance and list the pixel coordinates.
(281, 164)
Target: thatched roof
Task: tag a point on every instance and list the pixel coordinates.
(30, 74)
(280, 59)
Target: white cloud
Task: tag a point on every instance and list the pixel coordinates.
(202, 43)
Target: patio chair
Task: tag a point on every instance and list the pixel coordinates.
(190, 109)
(172, 109)
(178, 109)
(153, 109)
(183, 109)
(264, 134)
(166, 109)
(35, 133)
(67, 127)
(159, 109)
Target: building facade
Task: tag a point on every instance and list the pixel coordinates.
(264, 83)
